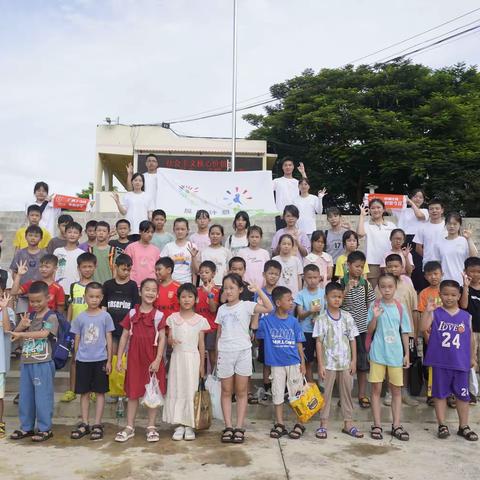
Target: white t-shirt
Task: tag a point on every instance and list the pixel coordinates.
(308, 208)
(49, 216)
(408, 222)
(377, 241)
(427, 235)
(151, 187)
(220, 257)
(291, 269)
(452, 255)
(255, 260)
(138, 205)
(202, 241)
(182, 259)
(235, 323)
(286, 191)
(67, 271)
(235, 244)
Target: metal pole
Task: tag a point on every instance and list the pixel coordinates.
(234, 88)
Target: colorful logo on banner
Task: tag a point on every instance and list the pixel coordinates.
(237, 198)
(392, 201)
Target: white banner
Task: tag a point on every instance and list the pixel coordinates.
(182, 192)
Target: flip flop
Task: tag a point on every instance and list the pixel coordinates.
(353, 432)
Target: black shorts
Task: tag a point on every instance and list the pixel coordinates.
(91, 377)
(309, 347)
(362, 355)
(117, 333)
(261, 350)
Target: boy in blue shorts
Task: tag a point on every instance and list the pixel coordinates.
(450, 356)
(283, 337)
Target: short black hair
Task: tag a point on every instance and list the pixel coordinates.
(159, 213)
(181, 220)
(237, 260)
(393, 257)
(147, 280)
(356, 256)
(346, 235)
(40, 185)
(145, 226)
(432, 266)
(34, 208)
(201, 213)
(450, 283)
(286, 159)
(122, 220)
(216, 225)
(254, 228)
(123, 259)
(74, 226)
(49, 258)
(86, 257)
(387, 275)
(102, 223)
(272, 264)
(64, 218)
(278, 293)
(244, 216)
(311, 267)
(93, 286)
(472, 262)
(208, 264)
(39, 287)
(34, 229)
(151, 155)
(167, 262)
(331, 286)
(333, 211)
(436, 201)
(187, 287)
(292, 210)
(91, 224)
(397, 230)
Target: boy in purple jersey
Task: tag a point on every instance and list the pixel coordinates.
(450, 357)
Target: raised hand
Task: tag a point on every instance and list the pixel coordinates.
(253, 288)
(322, 192)
(25, 321)
(301, 169)
(466, 280)
(431, 304)
(377, 311)
(5, 300)
(467, 232)
(406, 251)
(363, 210)
(130, 169)
(193, 250)
(22, 267)
(352, 283)
(116, 197)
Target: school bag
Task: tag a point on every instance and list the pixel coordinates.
(111, 256)
(62, 344)
(369, 338)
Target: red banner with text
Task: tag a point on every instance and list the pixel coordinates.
(392, 201)
(71, 203)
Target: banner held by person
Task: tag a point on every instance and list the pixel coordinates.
(392, 201)
(182, 192)
(72, 203)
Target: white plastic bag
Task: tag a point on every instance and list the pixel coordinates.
(473, 387)
(153, 398)
(214, 387)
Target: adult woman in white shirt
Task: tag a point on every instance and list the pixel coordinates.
(137, 205)
(309, 206)
(377, 233)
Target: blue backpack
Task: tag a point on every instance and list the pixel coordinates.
(63, 343)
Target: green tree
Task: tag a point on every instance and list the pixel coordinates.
(398, 126)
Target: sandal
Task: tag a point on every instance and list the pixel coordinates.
(400, 433)
(152, 434)
(126, 434)
(297, 432)
(238, 435)
(278, 431)
(2, 429)
(353, 432)
(443, 431)
(81, 430)
(467, 433)
(364, 402)
(321, 433)
(252, 399)
(376, 433)
(19, 434)
(430, 401)
(42, 436)
(227, 435)
(97, 432)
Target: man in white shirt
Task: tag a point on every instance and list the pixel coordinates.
(286, 188)
(151, 162)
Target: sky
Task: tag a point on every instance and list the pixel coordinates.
(65, 65)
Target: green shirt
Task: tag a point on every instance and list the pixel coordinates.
(105, 260)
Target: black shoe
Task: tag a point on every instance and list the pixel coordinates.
(473, 399)
(16, 399)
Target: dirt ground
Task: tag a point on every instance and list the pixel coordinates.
(260, 458)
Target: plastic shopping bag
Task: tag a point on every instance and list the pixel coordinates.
(202, 408)
(473, 387)
(153, 398)
(307, 402)
(214, 387)
(116, 380)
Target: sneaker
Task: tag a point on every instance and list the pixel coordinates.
(408, 400)
(387, 401)
(68, 396)
(189, 434)
(178, 433)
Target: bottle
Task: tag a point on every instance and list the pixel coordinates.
(120, 411)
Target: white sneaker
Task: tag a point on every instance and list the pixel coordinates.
(189, 434)
(408, 400)
(178, 433)
(387, 401)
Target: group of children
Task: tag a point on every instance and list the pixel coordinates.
(179, 306)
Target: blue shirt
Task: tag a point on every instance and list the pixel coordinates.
(269, 295)
(304, 298)
(386, 348)
(93, 335)
(280, 337)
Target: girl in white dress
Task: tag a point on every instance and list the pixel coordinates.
(186, 336)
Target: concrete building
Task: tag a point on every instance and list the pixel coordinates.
(119, 145)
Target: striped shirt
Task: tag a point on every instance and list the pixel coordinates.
(357, 301)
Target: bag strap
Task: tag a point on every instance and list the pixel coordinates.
(201, 385)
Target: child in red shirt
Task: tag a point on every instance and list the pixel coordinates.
(207, 305)
(47, 269)
(167, 301)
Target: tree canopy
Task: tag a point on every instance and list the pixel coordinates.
(398, 126)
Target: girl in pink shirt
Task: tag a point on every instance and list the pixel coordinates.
(254, 256)
(143, 254)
